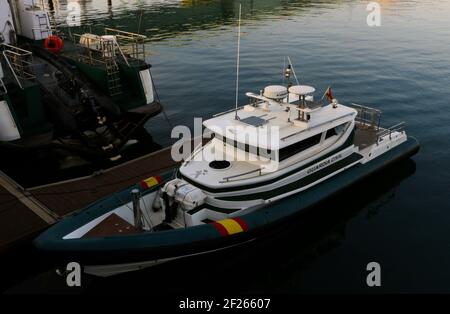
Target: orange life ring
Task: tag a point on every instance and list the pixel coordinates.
(53, 43)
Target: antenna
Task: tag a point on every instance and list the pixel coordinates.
(237, 63)
(293, 71)
(140, 21)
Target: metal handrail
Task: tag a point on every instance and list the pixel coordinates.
(194, 153)
(101, 42)
(227, 179)
(126, 34)
(363, 111)
(225, 112)
(5, 91)
(137, 42)
(316, 126)
(365, 107)
(395, 128)
(24, 67)
(12, 70)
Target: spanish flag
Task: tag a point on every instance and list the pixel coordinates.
(230, 226)
(151, 182)
(329, 94)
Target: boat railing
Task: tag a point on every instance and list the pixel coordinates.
(225, 112)
(253, 102)
(228, 179)
(20, 62)
(131, 44)
(399, 127)
(367, 116)
(36, 4)
(99, 51)
(194, 153)
(315, 127)
(3, 87)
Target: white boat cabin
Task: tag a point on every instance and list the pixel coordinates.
(279, 129)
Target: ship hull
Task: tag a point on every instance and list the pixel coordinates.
(105, 256)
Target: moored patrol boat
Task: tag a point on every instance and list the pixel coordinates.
(230, 190)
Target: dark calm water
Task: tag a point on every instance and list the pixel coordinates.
(399, 218)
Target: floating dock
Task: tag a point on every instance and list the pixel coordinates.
(24, 213)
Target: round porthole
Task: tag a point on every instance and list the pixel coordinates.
(219, 164)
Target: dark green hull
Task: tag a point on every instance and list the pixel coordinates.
(69, 124)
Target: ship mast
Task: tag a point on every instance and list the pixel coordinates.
(237, 63)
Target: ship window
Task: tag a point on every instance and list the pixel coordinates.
(245, 147)
(335, 131)
(330, 133)
(298, 147)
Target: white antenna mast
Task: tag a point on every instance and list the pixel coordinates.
(237, 64)
(293, 71)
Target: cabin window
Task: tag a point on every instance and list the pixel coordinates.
(298, 147)
(335, 131)
(330, 133)
(245, 147)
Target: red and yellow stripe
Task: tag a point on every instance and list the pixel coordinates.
(151, 182)
(230, 226)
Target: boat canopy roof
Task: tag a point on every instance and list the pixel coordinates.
(271, 115)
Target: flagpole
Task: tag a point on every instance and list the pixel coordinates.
(293, 70)
(326, 91)
(238, 63)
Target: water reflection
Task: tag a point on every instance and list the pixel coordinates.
(165, 19)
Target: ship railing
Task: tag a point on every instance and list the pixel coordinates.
(197, 149)
(20, 62)
(98, 51)
(3, 90)
(37, 4)
(131, 44)
(92, 48)
(229, 179)
(367, 116)
(101, 50)
(399, 127)
(227, 111)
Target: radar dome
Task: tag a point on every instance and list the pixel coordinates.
(275, 92)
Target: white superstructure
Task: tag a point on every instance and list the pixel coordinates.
(279, 144)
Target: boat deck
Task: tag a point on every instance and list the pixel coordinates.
(365, 135)
(112, 225)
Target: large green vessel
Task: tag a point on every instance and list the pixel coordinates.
(71, 99)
